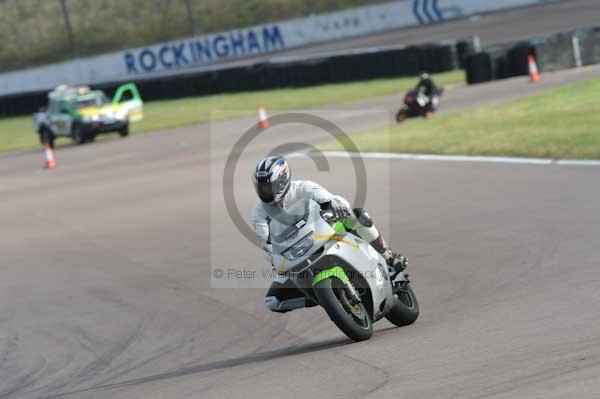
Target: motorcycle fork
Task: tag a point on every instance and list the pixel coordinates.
(353, 296)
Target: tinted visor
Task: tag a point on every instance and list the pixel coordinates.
(268, 190)
(264, 190)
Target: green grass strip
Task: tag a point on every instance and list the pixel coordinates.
(558, 123)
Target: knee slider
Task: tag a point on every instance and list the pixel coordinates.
(272, 303)
(363, 217)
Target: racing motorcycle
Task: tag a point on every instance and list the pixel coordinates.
(336, 269)
(418, 104)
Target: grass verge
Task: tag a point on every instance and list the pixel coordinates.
(558, 123)
(17, 133)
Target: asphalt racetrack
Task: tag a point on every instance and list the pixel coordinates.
(106, 264)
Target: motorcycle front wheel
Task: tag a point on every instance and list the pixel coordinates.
(401, 116)
(353, 320)
(406, 309)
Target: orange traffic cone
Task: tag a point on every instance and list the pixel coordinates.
(50, 162)
(534, 75)
(263, 121)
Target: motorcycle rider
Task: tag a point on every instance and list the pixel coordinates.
(428, 87)
(273, 182)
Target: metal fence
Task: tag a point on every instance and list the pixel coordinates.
(34, 32)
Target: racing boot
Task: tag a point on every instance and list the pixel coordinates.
(395, 261)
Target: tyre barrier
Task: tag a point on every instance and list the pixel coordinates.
(479, 68)
(500, 62)
(331, 69)
(463, 49)
(501, 68)
(555, 53)
(517, 59)
(589, 42)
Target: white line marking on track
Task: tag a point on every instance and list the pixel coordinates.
(463, 158)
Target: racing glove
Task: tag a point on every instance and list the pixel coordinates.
(340, 210)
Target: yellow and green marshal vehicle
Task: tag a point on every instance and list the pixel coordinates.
(82, 113)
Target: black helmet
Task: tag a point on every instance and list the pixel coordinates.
(272, 179)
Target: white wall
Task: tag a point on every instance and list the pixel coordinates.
(201, 51)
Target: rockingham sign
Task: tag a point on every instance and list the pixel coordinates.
(201, 52)
(206, 49)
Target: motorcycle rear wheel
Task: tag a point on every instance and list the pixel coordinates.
(354, 321)
(406, 309)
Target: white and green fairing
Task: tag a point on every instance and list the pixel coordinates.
(306, 249)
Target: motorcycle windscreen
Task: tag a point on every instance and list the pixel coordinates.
(285, 224)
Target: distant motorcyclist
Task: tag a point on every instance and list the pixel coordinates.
(422, 101)
(428, 87)
(273, 182)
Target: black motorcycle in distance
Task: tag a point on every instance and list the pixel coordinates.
(418, 104)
